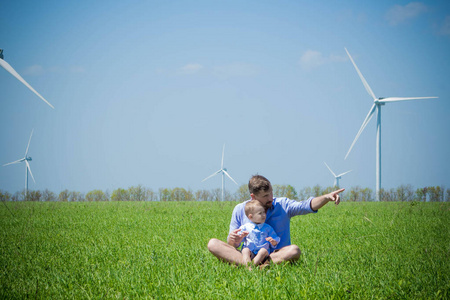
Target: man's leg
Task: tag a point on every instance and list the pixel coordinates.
(288, 253)
(259, 258)
(225, 252)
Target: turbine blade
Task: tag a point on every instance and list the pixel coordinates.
(329, 169)
(26, 152)
(367, 119)
(364, 124)
(366, 85)
(395, 99)
(29, 169)
(223, 153)
(13, 72)
(344, 173)
(214, 174)
(226, 173)
(15, 162)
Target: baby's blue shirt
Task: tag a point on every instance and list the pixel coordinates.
(256, 239)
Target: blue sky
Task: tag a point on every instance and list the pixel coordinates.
(147, 92)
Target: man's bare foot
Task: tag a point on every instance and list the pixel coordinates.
(265, 263)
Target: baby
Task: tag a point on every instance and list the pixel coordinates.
(261, 236)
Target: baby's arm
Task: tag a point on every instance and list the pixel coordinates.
(273, 238)
(272, 241)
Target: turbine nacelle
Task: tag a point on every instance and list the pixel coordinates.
(379, 101)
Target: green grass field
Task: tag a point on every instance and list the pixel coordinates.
(157, 250)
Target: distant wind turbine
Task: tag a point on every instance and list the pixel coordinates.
(13, 72)
(224, 172)
(336, 177)
(378, 102)
(26, 159)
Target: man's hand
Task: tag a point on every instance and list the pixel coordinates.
(319, 202)
(334, 196)
(235, 237)
(272, 241)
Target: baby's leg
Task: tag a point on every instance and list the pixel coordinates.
(246, 255)
(259, 258)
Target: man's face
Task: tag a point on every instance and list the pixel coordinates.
(265, 197)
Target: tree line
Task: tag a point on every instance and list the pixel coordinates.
(140, 193)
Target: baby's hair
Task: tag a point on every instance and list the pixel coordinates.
(251, 205)
(258, 183)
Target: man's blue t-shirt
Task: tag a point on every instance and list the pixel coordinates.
(278, 216)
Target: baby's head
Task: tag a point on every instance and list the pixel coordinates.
(255, 211)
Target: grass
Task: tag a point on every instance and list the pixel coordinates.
(157, 250)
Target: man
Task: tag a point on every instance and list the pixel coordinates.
(279, 213)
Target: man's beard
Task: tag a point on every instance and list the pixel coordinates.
(268, 206)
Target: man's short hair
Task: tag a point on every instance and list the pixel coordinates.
(258, 183)
(251, 205)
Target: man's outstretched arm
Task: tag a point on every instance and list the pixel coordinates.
(319, 202)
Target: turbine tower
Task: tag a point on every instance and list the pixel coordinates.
(378, 103)
(13, 72)
(26, 159)
(224, 172)
(336, 177)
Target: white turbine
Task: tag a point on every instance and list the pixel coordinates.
(336, 177)
(224, 172)
(13, 72)
(378, 102)
(26, 159)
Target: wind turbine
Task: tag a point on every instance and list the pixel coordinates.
(378, 102)
(26, 159)
(224, 172)
(13, 72)
(336, 177)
